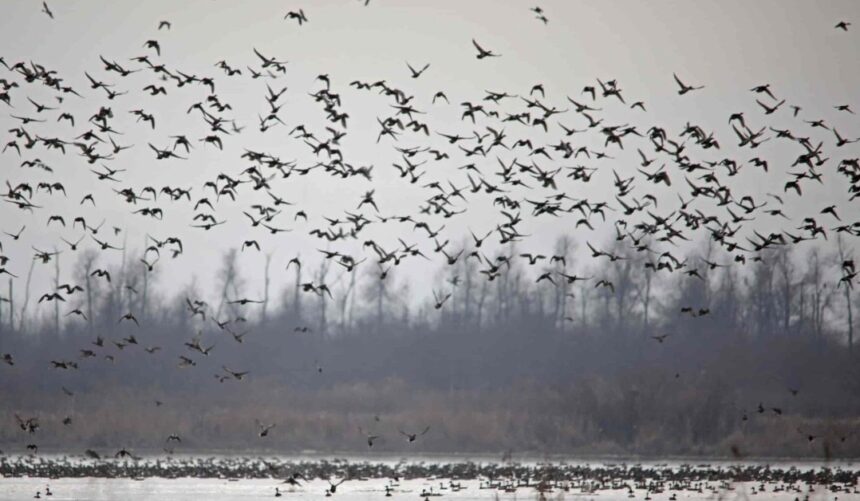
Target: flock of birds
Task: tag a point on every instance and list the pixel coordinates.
(518, 151)
(436, 479)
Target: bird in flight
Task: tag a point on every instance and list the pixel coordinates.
(369, 437)
(683, 88)
(482, 53)
(299, 16)
(417, 73)
(411, 437)
(264, 429)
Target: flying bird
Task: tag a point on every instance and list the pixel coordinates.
(482, 53)
(683, 88)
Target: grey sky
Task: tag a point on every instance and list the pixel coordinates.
(728, 46)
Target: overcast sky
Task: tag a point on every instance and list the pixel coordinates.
(727, 46)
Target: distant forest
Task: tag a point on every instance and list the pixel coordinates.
(746, 361)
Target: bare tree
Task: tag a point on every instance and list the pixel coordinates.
(322, 274)
(786, 271)
(762, 297)
(482, 298)
(56, 287)
(84, 270)
(583, 308)
(344, 300)
(144, 297)
(297, 293)
(642, 288)
(231, 282)
(727, 299)
(378, 292)
(11, 304)
(623, 278)
(845, 254)
(563, 248)
(22, 317)
(7, 301)
(266, 282)
(469, 271)
(820, 295)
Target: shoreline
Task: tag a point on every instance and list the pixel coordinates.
(273, 467)
(514, 457)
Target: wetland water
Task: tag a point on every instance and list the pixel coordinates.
(256, 477)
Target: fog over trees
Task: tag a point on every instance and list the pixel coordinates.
(735, 361)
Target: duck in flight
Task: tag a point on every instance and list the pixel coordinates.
(482, 53)
(684, 88)
(411, 437)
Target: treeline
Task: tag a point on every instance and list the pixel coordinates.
(640, 357)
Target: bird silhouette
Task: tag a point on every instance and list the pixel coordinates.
(683, 88)
(482, 53)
